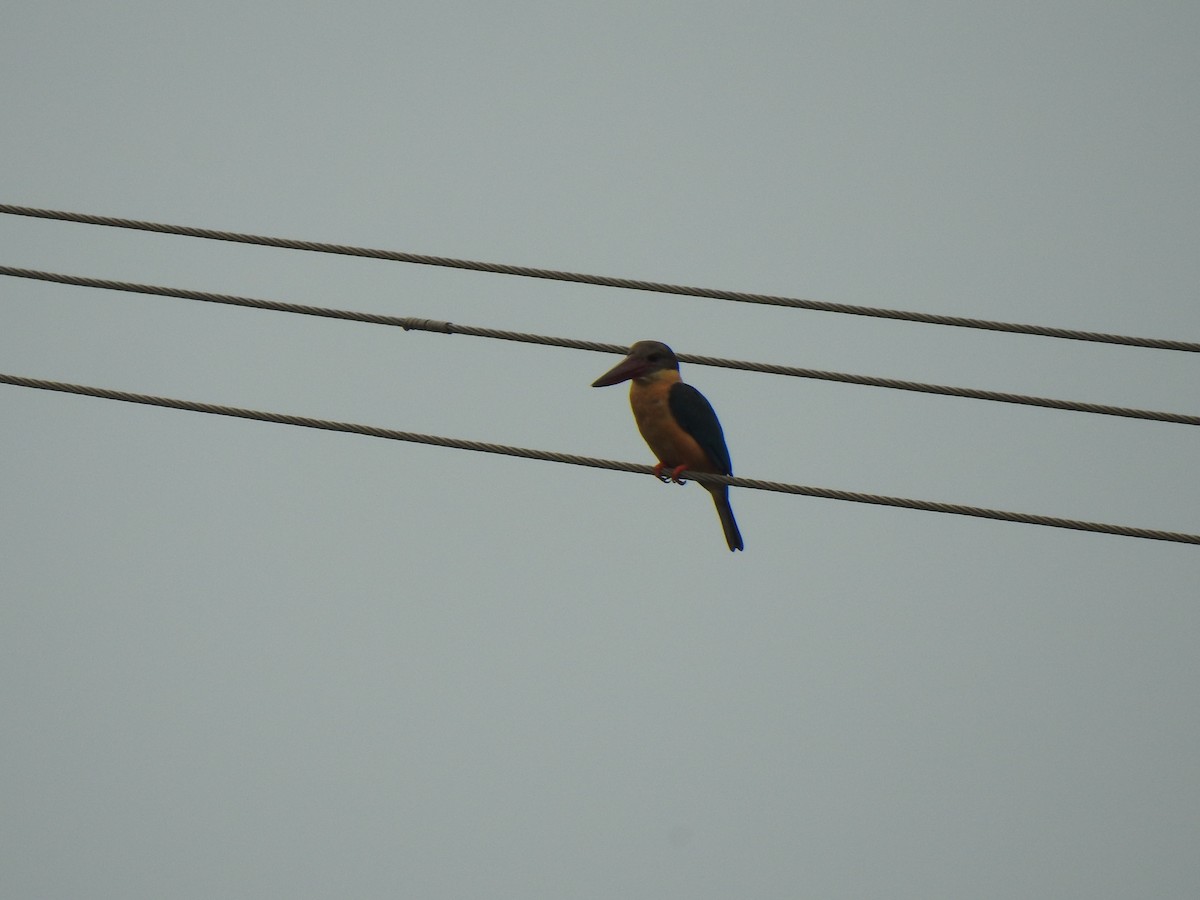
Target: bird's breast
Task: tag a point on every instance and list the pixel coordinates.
(671, 444)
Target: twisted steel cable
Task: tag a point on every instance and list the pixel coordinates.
(615, 465)
(419, 324)
(603, 280)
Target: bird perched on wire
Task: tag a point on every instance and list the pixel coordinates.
(677, 422)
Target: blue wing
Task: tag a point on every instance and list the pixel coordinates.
(695, 415)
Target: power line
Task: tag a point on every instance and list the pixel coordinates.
(602, 280)
(615, 465)
(419, 324)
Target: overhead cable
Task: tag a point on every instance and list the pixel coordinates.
(615, 465)
(418, 324)
(603, 280)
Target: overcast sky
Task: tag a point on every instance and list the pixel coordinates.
(245, 660)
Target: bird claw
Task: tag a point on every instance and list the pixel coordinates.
(667, 479)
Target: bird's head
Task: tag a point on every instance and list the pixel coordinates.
(644, 360)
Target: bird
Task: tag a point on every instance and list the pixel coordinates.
(677, 422)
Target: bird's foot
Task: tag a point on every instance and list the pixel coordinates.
(667, 479)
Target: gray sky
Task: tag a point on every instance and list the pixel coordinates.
(248, 660)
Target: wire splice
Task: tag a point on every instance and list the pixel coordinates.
(431, 325)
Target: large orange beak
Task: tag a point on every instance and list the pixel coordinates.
(629, 367)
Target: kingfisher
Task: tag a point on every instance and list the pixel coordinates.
(677, 422)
